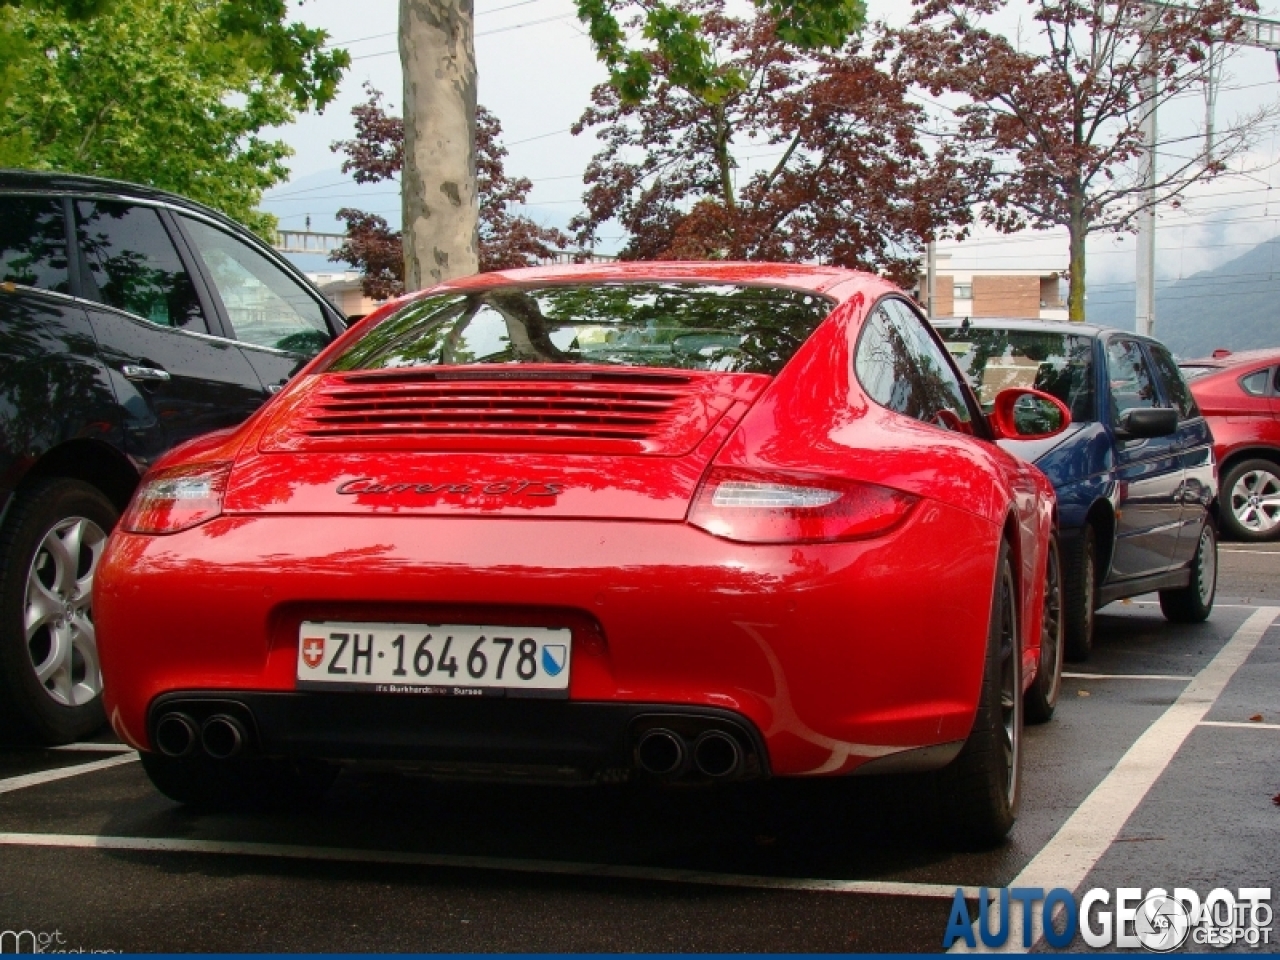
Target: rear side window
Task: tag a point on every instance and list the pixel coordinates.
(134, 265)
(33, 243)
(1255, 384)
(686, 326)
(902, 368)
(1175, 387)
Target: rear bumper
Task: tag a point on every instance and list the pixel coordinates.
(540, 738)
(831, 656)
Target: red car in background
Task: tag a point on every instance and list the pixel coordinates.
(1239, 394)
(684, 522)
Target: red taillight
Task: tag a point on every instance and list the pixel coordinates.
(774, 507)
(177, 499)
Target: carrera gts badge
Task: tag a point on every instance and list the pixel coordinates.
(509, 488)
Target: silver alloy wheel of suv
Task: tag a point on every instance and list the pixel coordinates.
(59, 611)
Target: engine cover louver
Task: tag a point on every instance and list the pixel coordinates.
(598, 412)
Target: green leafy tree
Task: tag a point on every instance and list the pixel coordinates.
(170, 93)
(674, 34)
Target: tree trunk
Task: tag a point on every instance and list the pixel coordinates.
(723, 160)
(440, 203)
(1078, 232)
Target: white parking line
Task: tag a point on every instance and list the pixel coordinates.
(1125, 676)
(95, 748)
(1243, 726)
(938, 891)
(1156, 603)
(1256, 553)
(63, 773)
(1088, 833)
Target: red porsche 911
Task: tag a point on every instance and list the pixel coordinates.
(683, 522)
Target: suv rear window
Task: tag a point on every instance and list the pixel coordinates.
(1060, 364)
(688, 326)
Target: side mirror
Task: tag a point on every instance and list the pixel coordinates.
(1021, 413)
(1142, 423)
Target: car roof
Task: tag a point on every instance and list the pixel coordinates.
(818, 279)
(52, 182)
(1268, 355)
(1028, 323)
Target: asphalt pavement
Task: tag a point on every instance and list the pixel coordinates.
(1158, 770)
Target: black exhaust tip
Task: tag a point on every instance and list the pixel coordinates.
(660, 752)
(223, 736)
(176, 735)
(717, 755)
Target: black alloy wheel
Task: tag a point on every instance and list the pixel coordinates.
(981, 788)
(1194, 602)
(1042, 695)
(1080, 593)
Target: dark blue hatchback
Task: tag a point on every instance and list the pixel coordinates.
(1134, 473)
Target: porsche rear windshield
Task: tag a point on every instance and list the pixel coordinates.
(687, 326)
(1060, 364)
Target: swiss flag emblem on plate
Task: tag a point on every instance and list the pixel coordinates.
(313, 651)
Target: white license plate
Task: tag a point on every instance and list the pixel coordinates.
(449, 659)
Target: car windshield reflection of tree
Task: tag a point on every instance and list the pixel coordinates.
(664, 325)
(142, 289)
(896, 366)
(1058, 364)
(131, 280)
(33, 244)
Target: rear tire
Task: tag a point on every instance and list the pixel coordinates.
(1080, 591)
(1194, 602)
(1042, 696)
(981, 788)
(247, 783)
(50, 682)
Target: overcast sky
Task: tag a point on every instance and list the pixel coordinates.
(536, 72)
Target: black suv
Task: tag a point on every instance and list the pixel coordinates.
(130, 320)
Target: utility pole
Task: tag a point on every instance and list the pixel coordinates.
(1145, 319)
(1258, 33)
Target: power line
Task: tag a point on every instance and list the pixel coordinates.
(379, 36)
(541, 136)
(336, 196)
(482, 33)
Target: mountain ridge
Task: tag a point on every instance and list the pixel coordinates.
(1234, 306)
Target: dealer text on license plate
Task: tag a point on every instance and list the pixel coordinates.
(448, 658)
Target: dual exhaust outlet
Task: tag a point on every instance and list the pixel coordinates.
(221, 736)
(715, 754)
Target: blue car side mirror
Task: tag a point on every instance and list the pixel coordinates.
(1143, 423)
